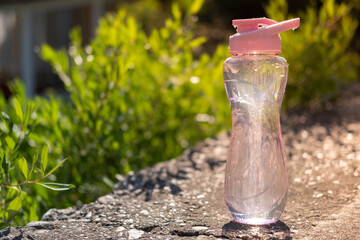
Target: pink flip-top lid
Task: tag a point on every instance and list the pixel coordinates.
(259, 35)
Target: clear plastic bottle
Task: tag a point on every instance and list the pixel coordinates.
(255, 80)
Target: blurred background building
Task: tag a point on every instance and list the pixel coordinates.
(26, 24)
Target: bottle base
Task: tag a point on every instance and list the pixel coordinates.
(249, 220)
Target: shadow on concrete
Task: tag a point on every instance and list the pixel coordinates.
(166, 176)
(279, 230)
(144, 182)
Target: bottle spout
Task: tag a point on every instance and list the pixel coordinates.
(282, 26)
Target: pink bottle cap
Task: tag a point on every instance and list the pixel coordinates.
(259, 35)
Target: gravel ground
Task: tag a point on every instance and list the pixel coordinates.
(183, 198)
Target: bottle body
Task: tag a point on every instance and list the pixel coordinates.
(255, 179)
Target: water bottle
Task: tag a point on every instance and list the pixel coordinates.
(255, 79)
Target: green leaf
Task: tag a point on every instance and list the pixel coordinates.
(175, 10)
(5, 116)
(47, 53)
(56, 167)
(15, 204)
(13, 208)
(197, 42)
(196, 5)
(44, 157)
(329, 6)
(29, 110)
(4, 124)
(24, 167)
(10, 142)
(33, 212)
(57, 186)
(132, 27)
(18, 110)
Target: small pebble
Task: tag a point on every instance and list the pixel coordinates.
(42, 231)
(121, 235)
(129, 220)
(120, 229)
(304, 134)
(144, 212)
(319, 195)
(135, 234)
(199, 228)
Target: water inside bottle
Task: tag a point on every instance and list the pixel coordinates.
(256, 180)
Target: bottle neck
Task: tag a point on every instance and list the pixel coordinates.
(255, 54)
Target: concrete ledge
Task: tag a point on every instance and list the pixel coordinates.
(183, 198)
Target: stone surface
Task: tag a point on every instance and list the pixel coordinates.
(183, 198)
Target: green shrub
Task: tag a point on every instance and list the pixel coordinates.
(18, 201)
(321, 64)
(134, 99)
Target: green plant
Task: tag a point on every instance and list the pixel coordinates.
(18, 203)
(134, 99)
(321, 64)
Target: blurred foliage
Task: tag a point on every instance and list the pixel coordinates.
(134, 99)
(321, 64)
(18, 173)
